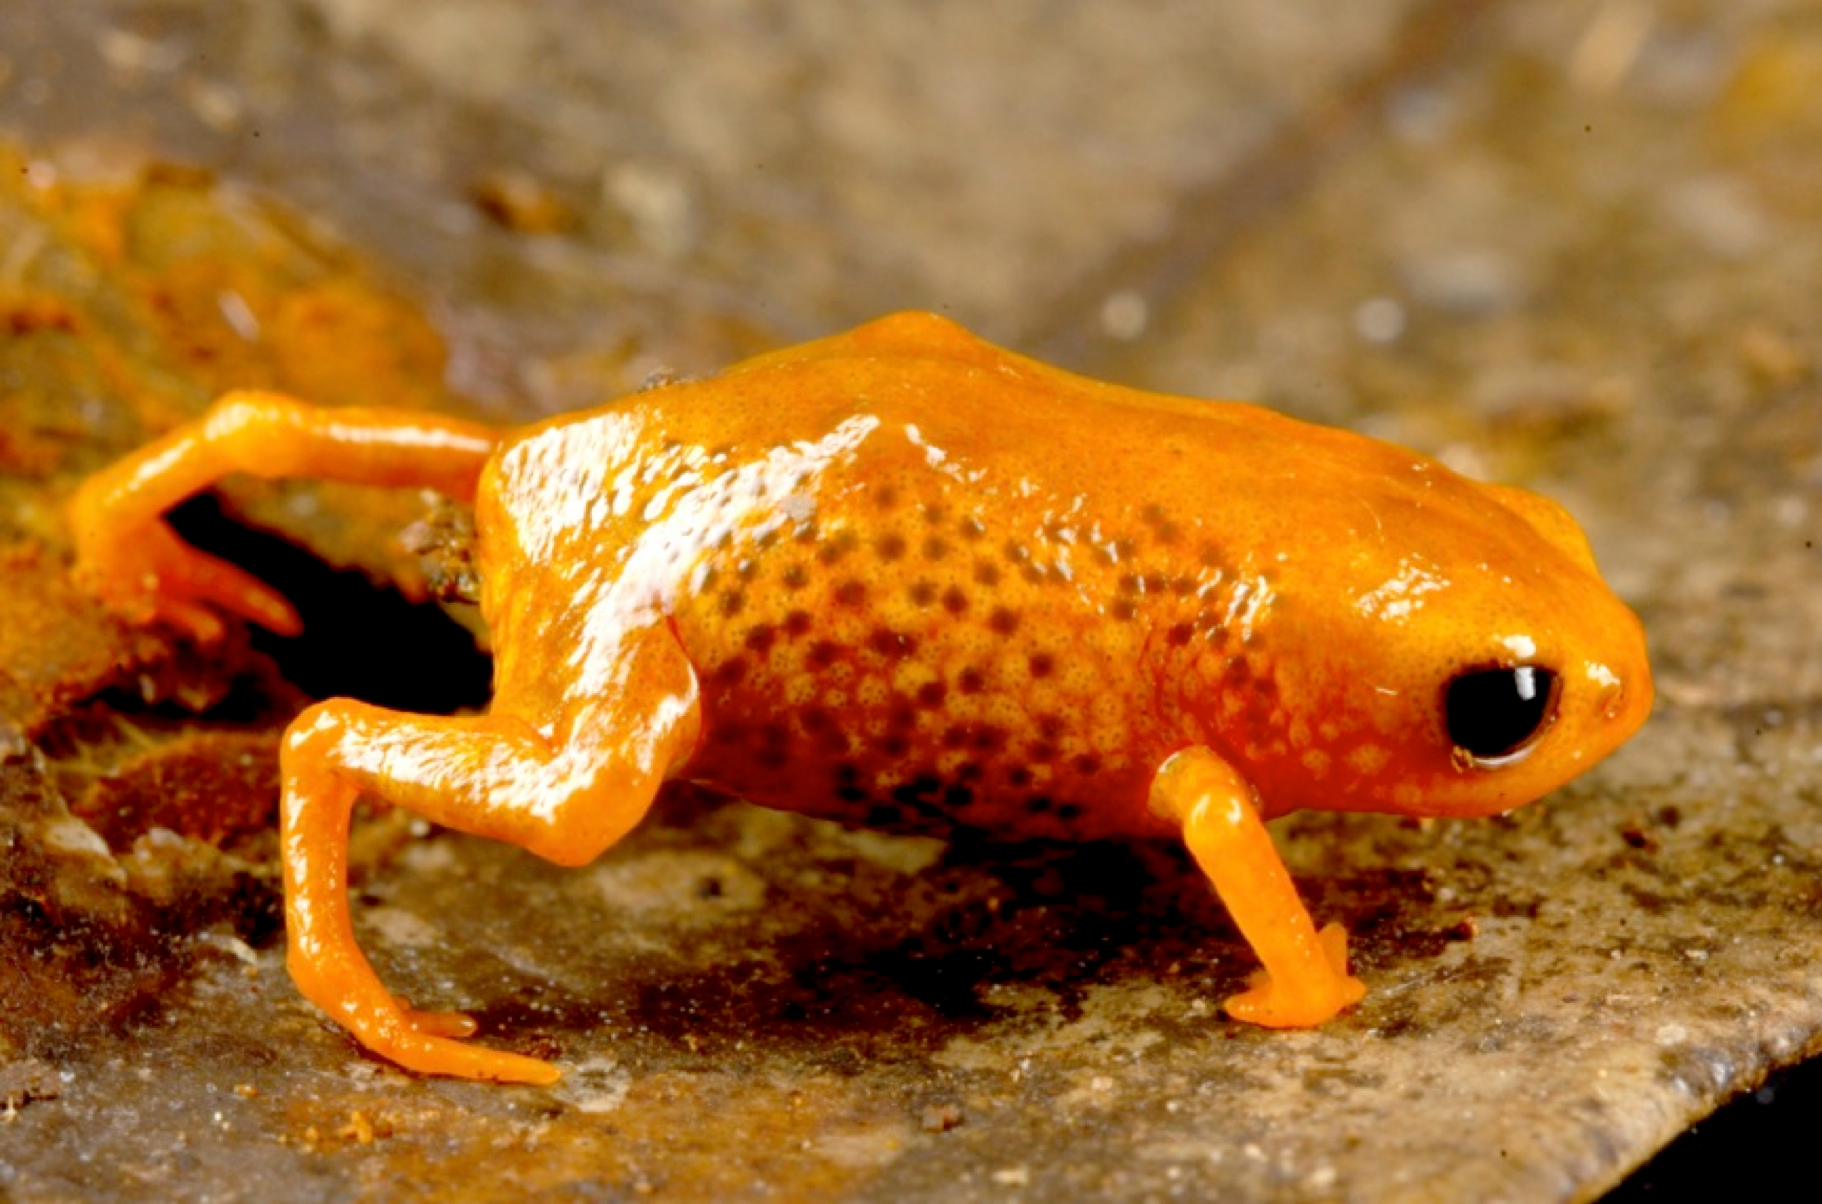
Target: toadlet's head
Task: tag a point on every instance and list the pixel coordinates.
(1473, 659)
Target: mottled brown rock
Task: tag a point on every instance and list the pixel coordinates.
(129, 302)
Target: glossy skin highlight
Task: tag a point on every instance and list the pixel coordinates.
(901, 577)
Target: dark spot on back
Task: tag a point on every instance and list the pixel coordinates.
(1086, 764)
(818, 722)
(1018, 777)
(1038, 804)
(761, 638)
(972, 681)
(935, 548)
(1161, 526)
(923, 593)
(837, 546)
(1069, 811)
(1003, 621)
(732, 601)
(954, 600)
(890, 547)
(887, 642)
(930, 695)
(850, 593)
(797, 622)
(886, 496)
(729, 672)
(822, 654)
(795, 576)
(1042, 664)
(1179, 634)
(987, 573)
(1122, 609)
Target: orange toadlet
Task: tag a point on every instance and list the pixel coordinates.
(901, 577)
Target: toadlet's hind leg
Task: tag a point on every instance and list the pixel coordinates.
(565, 795)
(1305, 979)
(128, 556)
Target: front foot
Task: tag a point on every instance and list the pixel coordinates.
(1310, 1000)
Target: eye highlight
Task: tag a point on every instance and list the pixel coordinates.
(1493, 715)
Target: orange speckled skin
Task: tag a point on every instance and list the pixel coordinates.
(924, 581)
(903, 578)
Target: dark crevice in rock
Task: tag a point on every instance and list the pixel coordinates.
(361, 639)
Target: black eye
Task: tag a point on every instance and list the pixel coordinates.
(1493, 713)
